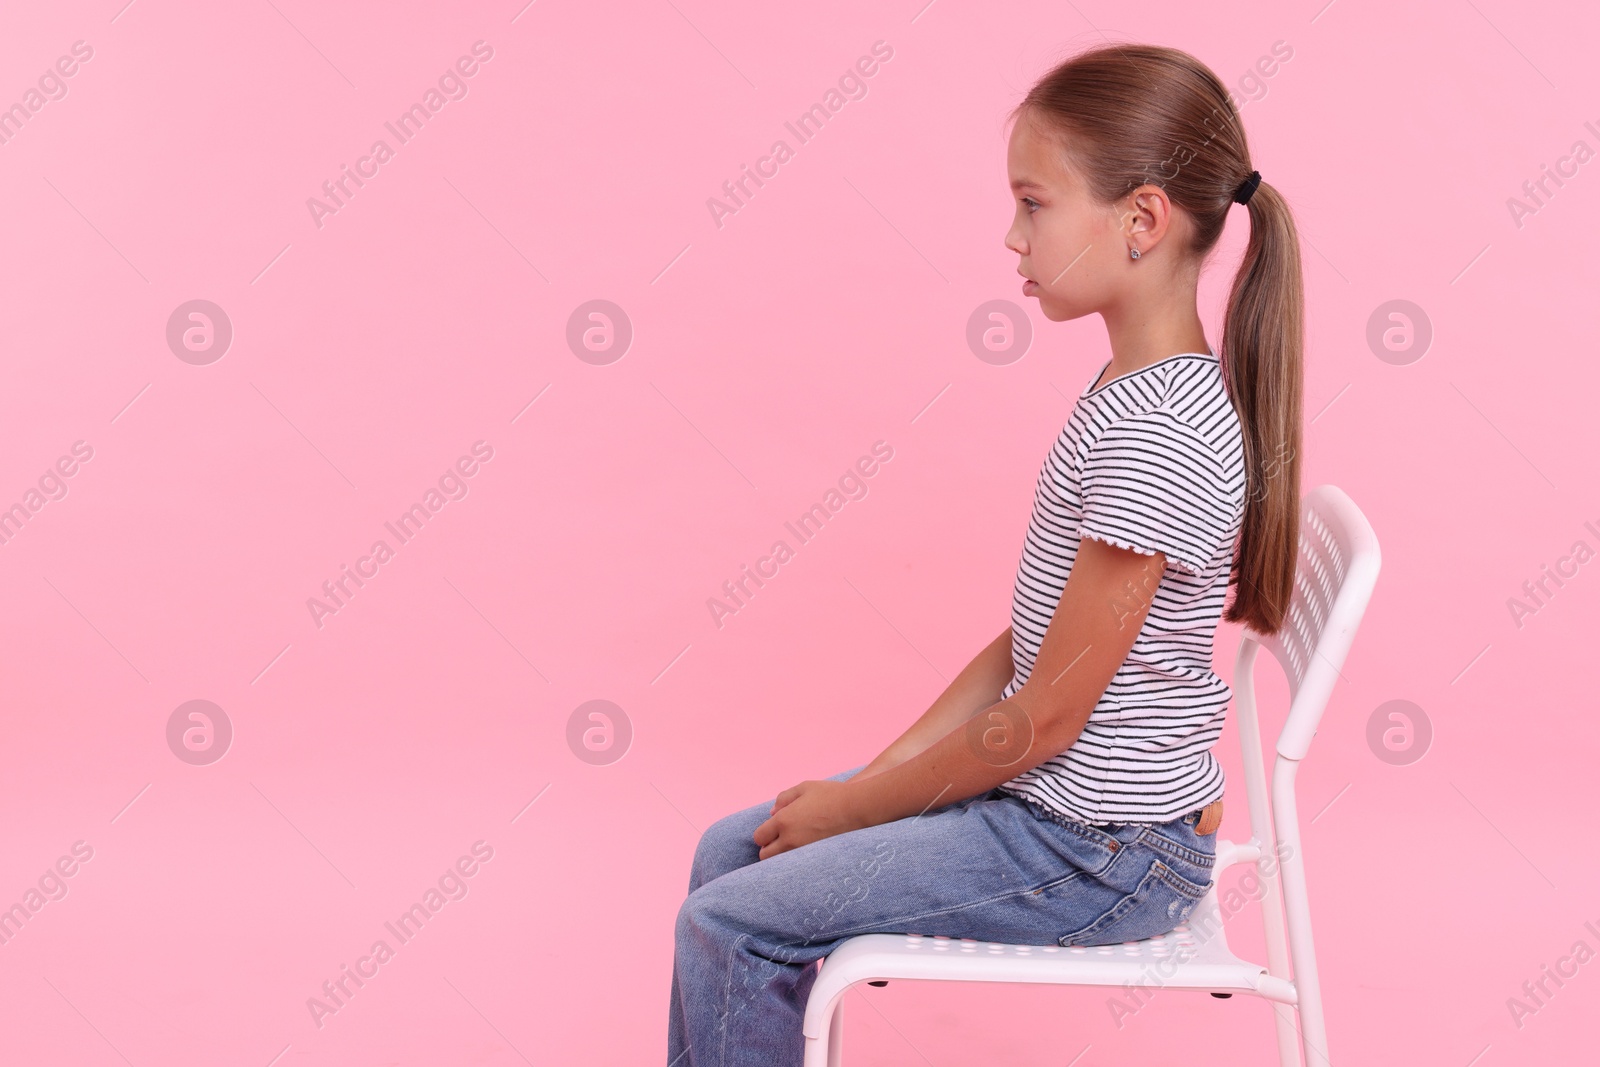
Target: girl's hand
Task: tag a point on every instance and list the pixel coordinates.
(805, 813)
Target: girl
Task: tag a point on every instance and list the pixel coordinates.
(1062, 790)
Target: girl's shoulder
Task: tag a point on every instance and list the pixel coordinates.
(1180, 403)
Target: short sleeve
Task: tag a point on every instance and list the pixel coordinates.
(1151, 483)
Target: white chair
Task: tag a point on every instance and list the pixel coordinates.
(1337, 570)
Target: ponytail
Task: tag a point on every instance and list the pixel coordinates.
(1132, 115)
(1263, 339)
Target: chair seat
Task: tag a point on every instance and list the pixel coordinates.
(1179, 959)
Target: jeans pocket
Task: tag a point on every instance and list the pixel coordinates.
(1185, 851)
(1162, 899)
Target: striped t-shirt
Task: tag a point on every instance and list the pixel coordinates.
(1153, 461)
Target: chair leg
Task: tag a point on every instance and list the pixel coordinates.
(1297, 915)
(1313, 1032)
(825, 1049)
(1288, 1034)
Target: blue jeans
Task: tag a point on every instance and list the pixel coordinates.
(993, 867)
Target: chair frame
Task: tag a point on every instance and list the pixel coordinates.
(1336, 572)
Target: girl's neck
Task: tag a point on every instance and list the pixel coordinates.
(1141, 336)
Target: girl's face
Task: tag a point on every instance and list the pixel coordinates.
(1074, 250)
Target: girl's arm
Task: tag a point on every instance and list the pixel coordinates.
(1101, 611)
(978, 686)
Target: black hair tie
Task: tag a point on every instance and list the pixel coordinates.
(1247, 188)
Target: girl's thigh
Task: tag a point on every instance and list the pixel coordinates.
(984, 868)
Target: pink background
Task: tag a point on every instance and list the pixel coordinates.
(829, 313)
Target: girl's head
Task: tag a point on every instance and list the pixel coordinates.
(1138, 148)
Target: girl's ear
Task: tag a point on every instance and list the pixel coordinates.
(1146, 217)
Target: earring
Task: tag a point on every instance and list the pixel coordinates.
(1133, 252)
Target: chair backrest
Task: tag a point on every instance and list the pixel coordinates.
(1334, 579)
(1335, 574)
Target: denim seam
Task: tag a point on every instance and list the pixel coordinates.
(1158, 872)
(924, 915)
(727, 997)
(1162, 843)
(1092, 834)
(1178, 882)
(1059, 881)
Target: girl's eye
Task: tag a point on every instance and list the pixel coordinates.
(1031, 202)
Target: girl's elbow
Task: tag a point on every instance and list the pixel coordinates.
(1054, 723)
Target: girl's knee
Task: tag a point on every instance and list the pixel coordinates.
(707, 916)
(728, 831)
(690, 918)
(725, 846)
